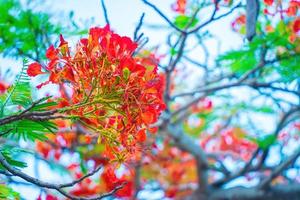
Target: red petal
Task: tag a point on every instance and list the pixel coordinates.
(62, 41)
(3, 87)
(296, 26)
(141, 135)
(39, 86)
(34, 69)
(148, 117)
(153, 130)
(51, 53)
(68, 74)
(269, 2)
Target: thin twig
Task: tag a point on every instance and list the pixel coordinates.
(163, 15)
(137, 29)
(105, 12)
(276, 172)
(57, 187)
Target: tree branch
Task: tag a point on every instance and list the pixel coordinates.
(57, 187)
(277, 192)
(163, 16)
(264, 184)
(105, 12)
(185, 143)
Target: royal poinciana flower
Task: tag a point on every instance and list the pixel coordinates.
(112, 92)
(3, 87)
(180, 6)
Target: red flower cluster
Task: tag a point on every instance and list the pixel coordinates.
(233, 140)
(112, 92)
(112, 181)
(238, 22)
(291, 10)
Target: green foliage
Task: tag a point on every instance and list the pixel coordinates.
(44, 106)
(244, 59)
(9, 152)
(266, 141)
(8, 193)
(19, 94)
(182, 21)
(290, 65)
(29, 130)
(277, 46)
(25, 32)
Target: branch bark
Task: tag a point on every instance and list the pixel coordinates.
(58, 187)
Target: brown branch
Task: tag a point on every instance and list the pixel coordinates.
(277, 192)
(264, 184)
(105, 12)
(185, 143)
(36, 115)
(237, 174)
(162, 15)
(57, 187)
(279, 127)
(80, 179)
(213, 18)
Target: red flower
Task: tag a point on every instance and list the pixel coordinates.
(141, 135)
(43, 148)
(111, 181)
(296, 25)
(51, 197)
(269, 2)
(34, 69)
(103, 73)
(153, 130)
(148, 117)
(293, 7)
(3, 87)
(179, 6)
(238, 22)
(51, 53)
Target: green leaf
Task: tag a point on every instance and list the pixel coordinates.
(264, 109)
(289, 65)
(239, 61)
(182, 21)
(266, 141)
(173, 51)
(19, 94)
(8, 193)
(29, 130)
(44, 106)
(8, 154)
(126, 73)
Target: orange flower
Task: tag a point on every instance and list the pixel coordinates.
(293, 7)
(141, 135)
(179, 6)
(111, 91)
(111, 181)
